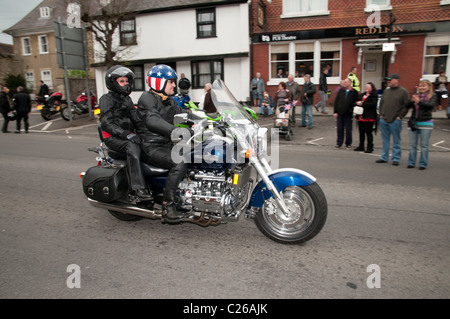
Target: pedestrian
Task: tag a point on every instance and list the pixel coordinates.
(294, 88)
(22, 106)
(118, 125)
(43, 90)
(392, 110)
(421, 123)
(208, 104)
(282, 106)
(307, 99)
(266, 103)
(184, 84)
(441, 82)
(343, 113)
(257, 87)
(354, 79)
(5, 107)
(323, 91)
(368, 101)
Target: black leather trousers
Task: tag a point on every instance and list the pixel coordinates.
(159, 155)
(133, 152)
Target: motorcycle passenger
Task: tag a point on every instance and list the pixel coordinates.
(156, 110)
(116, 109)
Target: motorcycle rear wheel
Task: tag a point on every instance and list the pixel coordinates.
(125, 217)
(46, 114)
(308, 213)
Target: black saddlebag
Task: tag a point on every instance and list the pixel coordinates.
(105, 184)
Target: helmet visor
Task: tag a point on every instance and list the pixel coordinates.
(122, 72)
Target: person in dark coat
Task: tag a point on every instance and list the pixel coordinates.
(5, 108)
(368, 101)
(156, 112)
(116, 109)
(22, 106)
(343, 113)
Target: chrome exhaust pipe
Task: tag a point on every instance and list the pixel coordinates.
(127, 209)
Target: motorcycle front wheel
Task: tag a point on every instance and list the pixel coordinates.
(66, 112)
(308, 211)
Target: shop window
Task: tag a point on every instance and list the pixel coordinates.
(139, 80)
(435, 58)
(26, 47)
(330, 57)
(206, 72)
(128, 32)
(304, 59)
(279, 60)
(206, 23)
(295, 8)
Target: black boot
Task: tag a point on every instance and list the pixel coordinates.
(359, 149)
(170, 214)
(143, 195)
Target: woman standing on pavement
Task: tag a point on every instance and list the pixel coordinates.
(368, 101)
(421, 123)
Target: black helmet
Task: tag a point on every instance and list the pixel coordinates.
(118, 71)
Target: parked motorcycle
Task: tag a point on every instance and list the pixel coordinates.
(229, 175)
(79, 106)
(50, 105)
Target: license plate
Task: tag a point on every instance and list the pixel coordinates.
(58, 107)
(39, 107)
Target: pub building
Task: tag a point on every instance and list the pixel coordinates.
(400, 36)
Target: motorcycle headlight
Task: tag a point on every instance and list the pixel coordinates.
(262, 141)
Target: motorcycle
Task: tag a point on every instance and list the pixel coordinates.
(79, 106)
(50, 105)
(229, 175)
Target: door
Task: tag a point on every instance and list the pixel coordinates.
(372, 69)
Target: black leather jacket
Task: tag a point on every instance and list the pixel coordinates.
(116, 114)
(425, 109)
(155, 116)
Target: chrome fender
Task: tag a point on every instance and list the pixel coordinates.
(281, 178)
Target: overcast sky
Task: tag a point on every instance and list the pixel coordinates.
(12, 12)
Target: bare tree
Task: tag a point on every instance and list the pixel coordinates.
(103, 18)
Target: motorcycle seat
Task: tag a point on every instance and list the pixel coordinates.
(147, 169)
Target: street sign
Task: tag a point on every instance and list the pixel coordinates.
(70, 47)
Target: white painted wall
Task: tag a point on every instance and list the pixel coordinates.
(173, 34)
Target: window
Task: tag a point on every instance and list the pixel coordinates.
(435, 58)
(206, 23)
(45, 12)
(330, 55)
(26, 47)
(206, 72)
(379, 3)
(128, 32)
(29, 79)
(304, 59)
(46, 76)
(295, 8)
(279, 60)
(139, 80)
(308, 57)
(43, 44)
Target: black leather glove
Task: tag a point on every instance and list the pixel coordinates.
(134, 138)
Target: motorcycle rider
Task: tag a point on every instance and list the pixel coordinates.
(116, 109)
(156, 111)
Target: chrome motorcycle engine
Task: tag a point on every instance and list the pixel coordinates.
(218, 194)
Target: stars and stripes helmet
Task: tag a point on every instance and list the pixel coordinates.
(158, 75)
